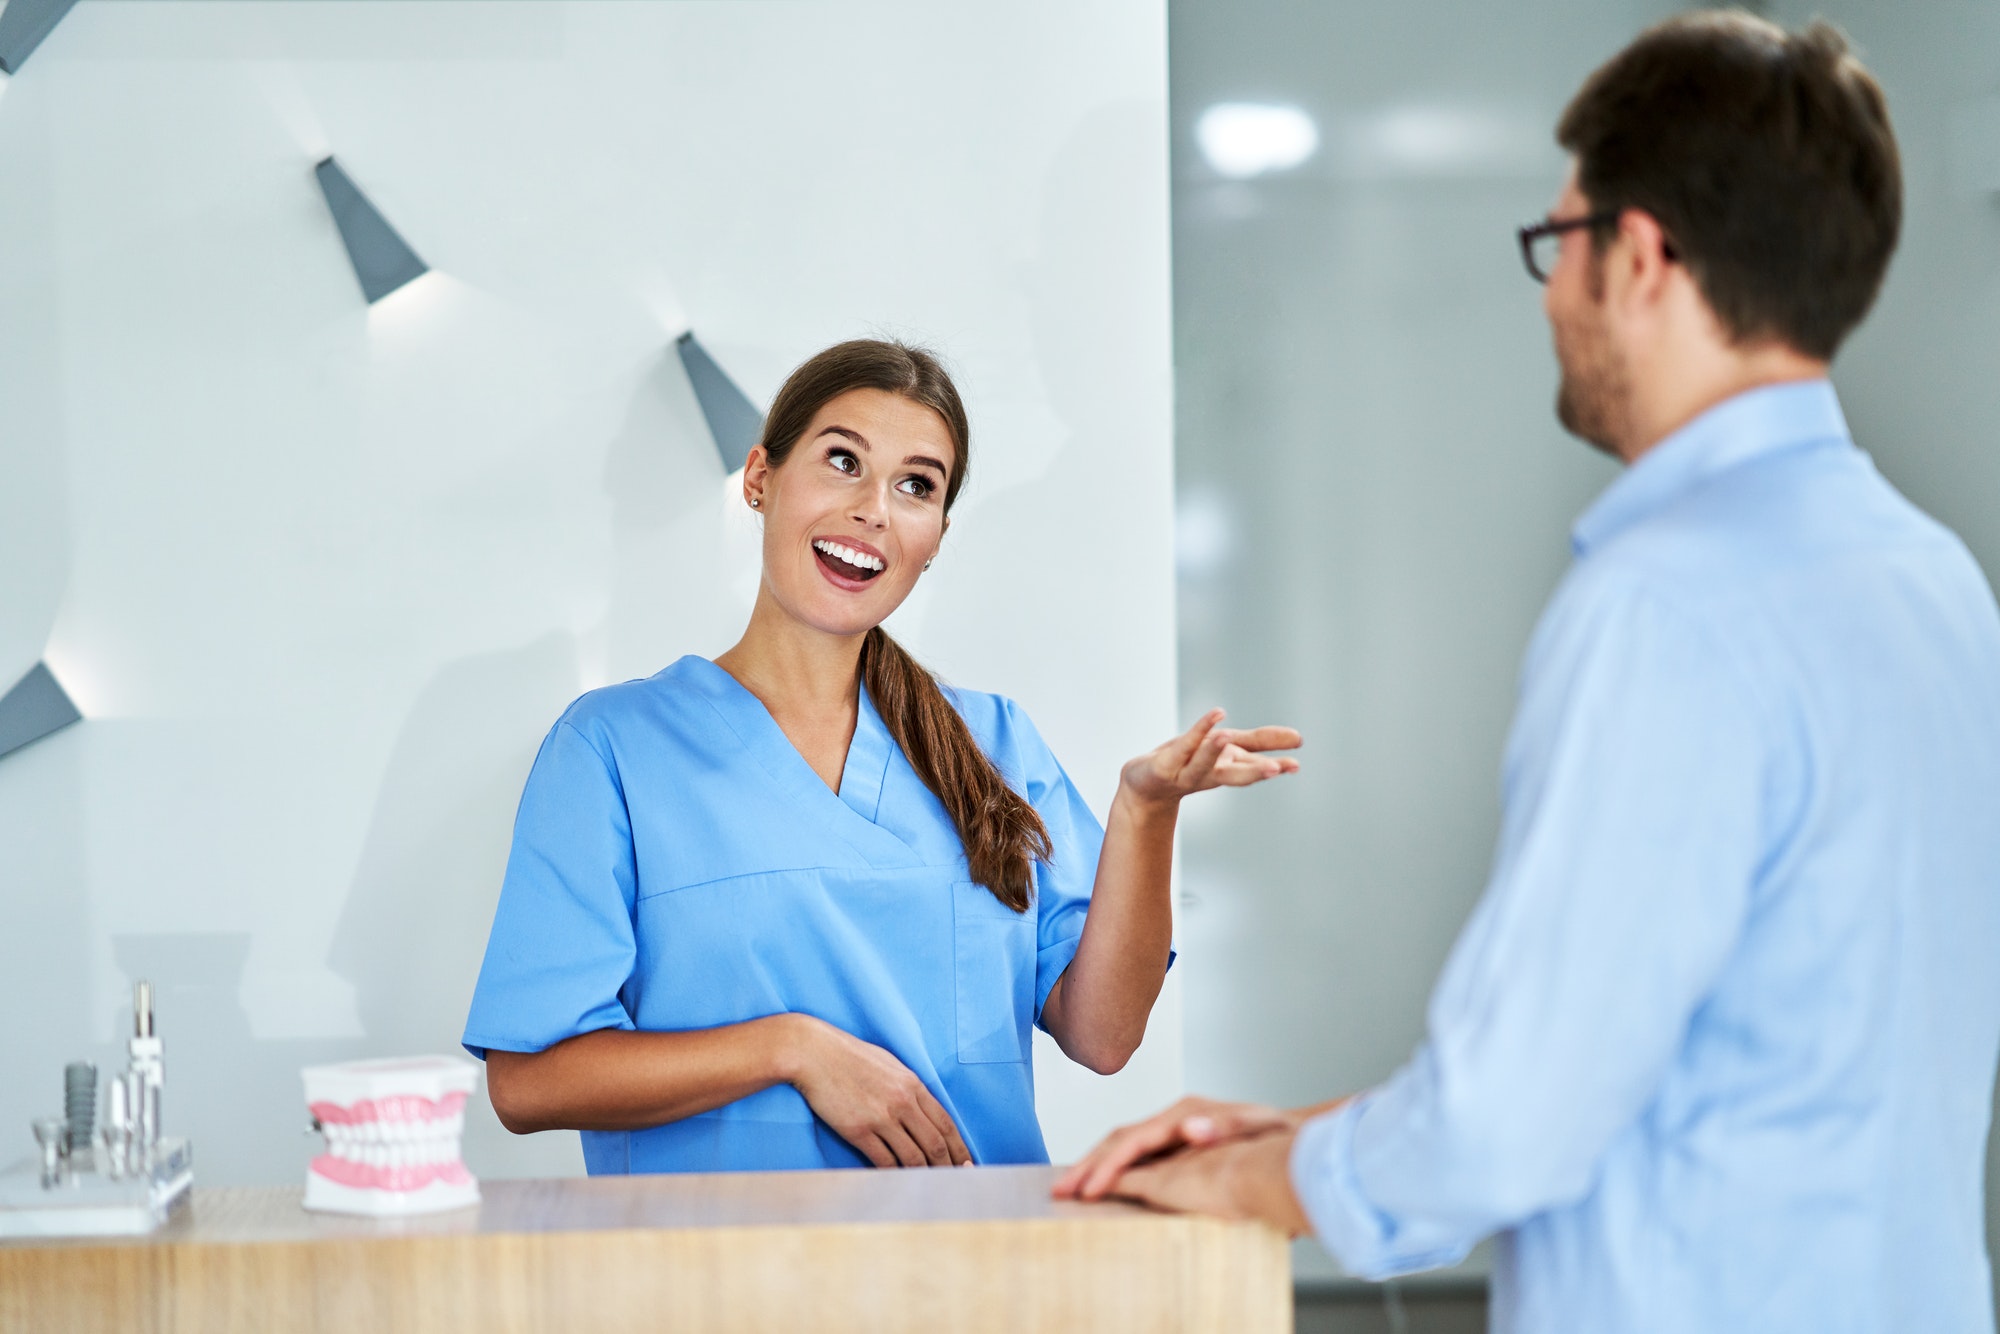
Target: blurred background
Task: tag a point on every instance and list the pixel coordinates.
(1262, 394)
(1373, 497)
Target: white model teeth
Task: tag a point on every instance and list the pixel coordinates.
(861, 560)
(396, 1143)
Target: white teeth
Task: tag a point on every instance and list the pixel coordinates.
(859, 559)
(394, 1143)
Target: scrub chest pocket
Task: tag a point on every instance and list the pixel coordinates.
(995, 963)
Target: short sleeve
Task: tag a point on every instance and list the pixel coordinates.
(1063, 882)
(562, 948)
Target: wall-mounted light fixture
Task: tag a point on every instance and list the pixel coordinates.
(382, 259)
(23, 24)
(733, 420)
(35, 707)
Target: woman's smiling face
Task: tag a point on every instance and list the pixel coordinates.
(855, 510)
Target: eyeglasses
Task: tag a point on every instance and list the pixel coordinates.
(1541, 242)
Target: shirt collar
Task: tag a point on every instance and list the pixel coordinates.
(1751, 425)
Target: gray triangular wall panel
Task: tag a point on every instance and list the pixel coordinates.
(23, 24)
(382, 259)
(35, 707)
(733, 420)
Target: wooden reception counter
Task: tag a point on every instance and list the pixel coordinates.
(980, 1249)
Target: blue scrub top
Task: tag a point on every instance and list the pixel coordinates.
(678, 865)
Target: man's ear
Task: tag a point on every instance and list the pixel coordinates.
(1648, 258)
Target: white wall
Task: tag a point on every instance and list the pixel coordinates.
(320, 576)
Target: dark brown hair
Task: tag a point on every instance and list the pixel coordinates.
(1766, 156)
(1002, 834)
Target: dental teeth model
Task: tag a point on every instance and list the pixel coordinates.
(392, 1135)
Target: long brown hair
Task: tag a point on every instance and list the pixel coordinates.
(1002, 833)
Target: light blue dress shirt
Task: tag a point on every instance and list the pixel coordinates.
(678, 865)
(1716, 1050)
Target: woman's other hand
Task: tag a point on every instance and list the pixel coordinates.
(872, 1100)
(1209, 755)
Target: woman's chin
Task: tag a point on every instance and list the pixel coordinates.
(844, 621)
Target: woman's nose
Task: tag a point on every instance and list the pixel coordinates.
(872, 506)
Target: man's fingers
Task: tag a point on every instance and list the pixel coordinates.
(1132, 1186)
(1231, 1122)
(1126, 1148)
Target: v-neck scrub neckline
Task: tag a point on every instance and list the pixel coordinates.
(677, 864)
(867, 752)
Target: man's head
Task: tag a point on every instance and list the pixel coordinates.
(1751, 194)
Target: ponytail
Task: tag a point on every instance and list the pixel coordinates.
(1003, 834)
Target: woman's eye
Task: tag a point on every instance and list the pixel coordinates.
(920, 487)
(844, 461)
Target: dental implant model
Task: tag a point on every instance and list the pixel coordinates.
(392, 1133)
(117, 1178)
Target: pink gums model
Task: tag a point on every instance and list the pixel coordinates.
(392, 1135)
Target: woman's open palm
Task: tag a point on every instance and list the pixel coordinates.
(1209, 755)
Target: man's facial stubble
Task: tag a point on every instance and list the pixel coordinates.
(1592, 397)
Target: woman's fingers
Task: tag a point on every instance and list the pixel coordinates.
(1240, 768)
(906, 1149)
(1183, 748)
(872, 1148)
(1266, 738)
(1234, 764)
(1204, 759)
(930, 1141)
(955, 1152)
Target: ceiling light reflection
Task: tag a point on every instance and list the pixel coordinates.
(1244, 139)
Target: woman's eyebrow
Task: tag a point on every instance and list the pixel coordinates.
(853, 435)
(927, 461)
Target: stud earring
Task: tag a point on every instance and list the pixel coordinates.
(927, 564)
(756, 502)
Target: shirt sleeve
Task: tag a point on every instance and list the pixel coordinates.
(1063, 882)
(562, 948)
(1636, 777)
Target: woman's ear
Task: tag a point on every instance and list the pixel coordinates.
(756, 472)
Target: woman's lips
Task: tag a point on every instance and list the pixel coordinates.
(840, 574)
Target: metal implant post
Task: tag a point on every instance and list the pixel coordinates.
(80, 1104)
(52, 1134)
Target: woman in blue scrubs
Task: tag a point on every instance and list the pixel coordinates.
(798, 907)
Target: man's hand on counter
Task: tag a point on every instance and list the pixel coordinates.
(1231, 1159)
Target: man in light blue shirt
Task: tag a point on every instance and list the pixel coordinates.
(1716, 1050)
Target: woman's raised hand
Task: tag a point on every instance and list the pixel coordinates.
(873, 1101)
(1209, 755)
